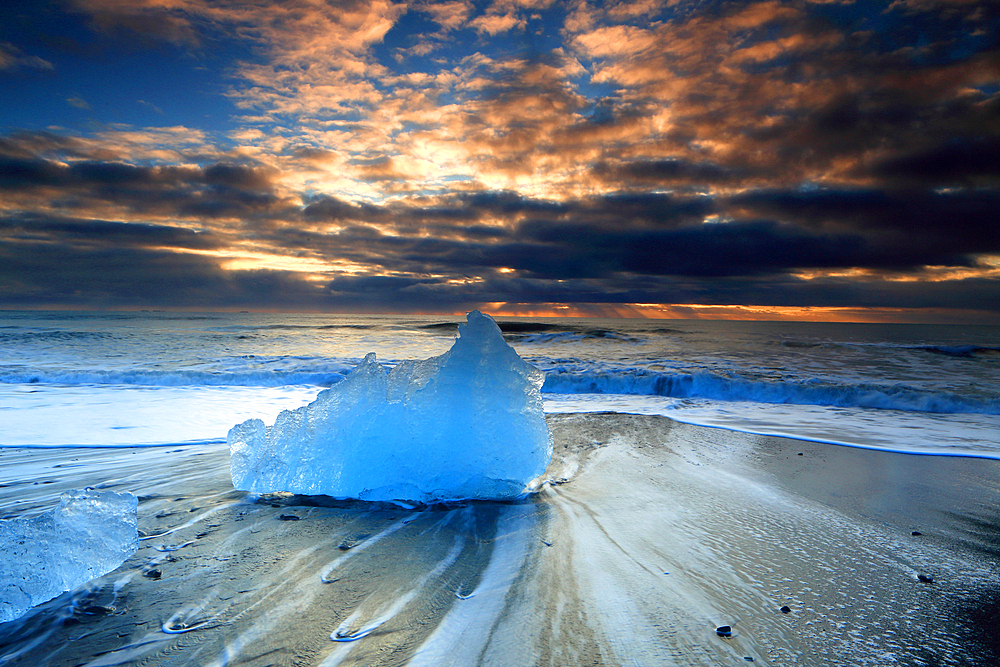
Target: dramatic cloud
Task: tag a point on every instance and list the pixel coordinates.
(352, 155)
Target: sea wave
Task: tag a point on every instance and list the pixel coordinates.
(806, 392)
(252, 371)
(959, 350)
(179, 378)
(556, 337)
(543, 332)
(20, 336)
(965, 351)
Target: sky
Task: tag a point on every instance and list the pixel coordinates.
(824, 159)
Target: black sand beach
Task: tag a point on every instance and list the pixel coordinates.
(649, 536)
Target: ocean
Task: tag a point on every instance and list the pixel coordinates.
(119, 379)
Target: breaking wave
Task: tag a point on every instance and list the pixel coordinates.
(634, 382)
(251, 371)
(720, 388)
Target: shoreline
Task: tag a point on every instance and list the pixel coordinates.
(652, 534)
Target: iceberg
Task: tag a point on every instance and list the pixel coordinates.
(466, 424)
(88, 535)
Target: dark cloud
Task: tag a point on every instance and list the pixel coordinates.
(508, 203)
(669, 172)
(331, 209)
(961, 163)
(22, 173)
(103, 233)
(61, 274)
(215, 190)
(59, 270)
(908, 222)
(237, 176)
(644, 246)
(706, 250)
(659, 209)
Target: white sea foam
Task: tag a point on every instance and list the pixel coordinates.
(92, 416)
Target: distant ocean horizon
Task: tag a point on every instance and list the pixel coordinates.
(154, 378)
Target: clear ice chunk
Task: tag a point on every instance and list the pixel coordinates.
(466, 424)
(88, 535)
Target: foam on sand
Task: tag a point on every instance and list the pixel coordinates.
(466, 424)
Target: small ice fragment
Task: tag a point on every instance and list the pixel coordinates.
(88, 535)
(466, 424)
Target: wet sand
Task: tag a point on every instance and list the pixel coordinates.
(648, 536)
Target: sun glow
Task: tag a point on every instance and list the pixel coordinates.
(697, 311)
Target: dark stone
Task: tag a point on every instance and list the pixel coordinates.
(926, 578)
(801, 454)
(724, 631)
(288, 517)
(748, 658)
(916, 533)
(152, 574)
(785, 609)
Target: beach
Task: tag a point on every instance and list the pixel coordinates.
(645, 538)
